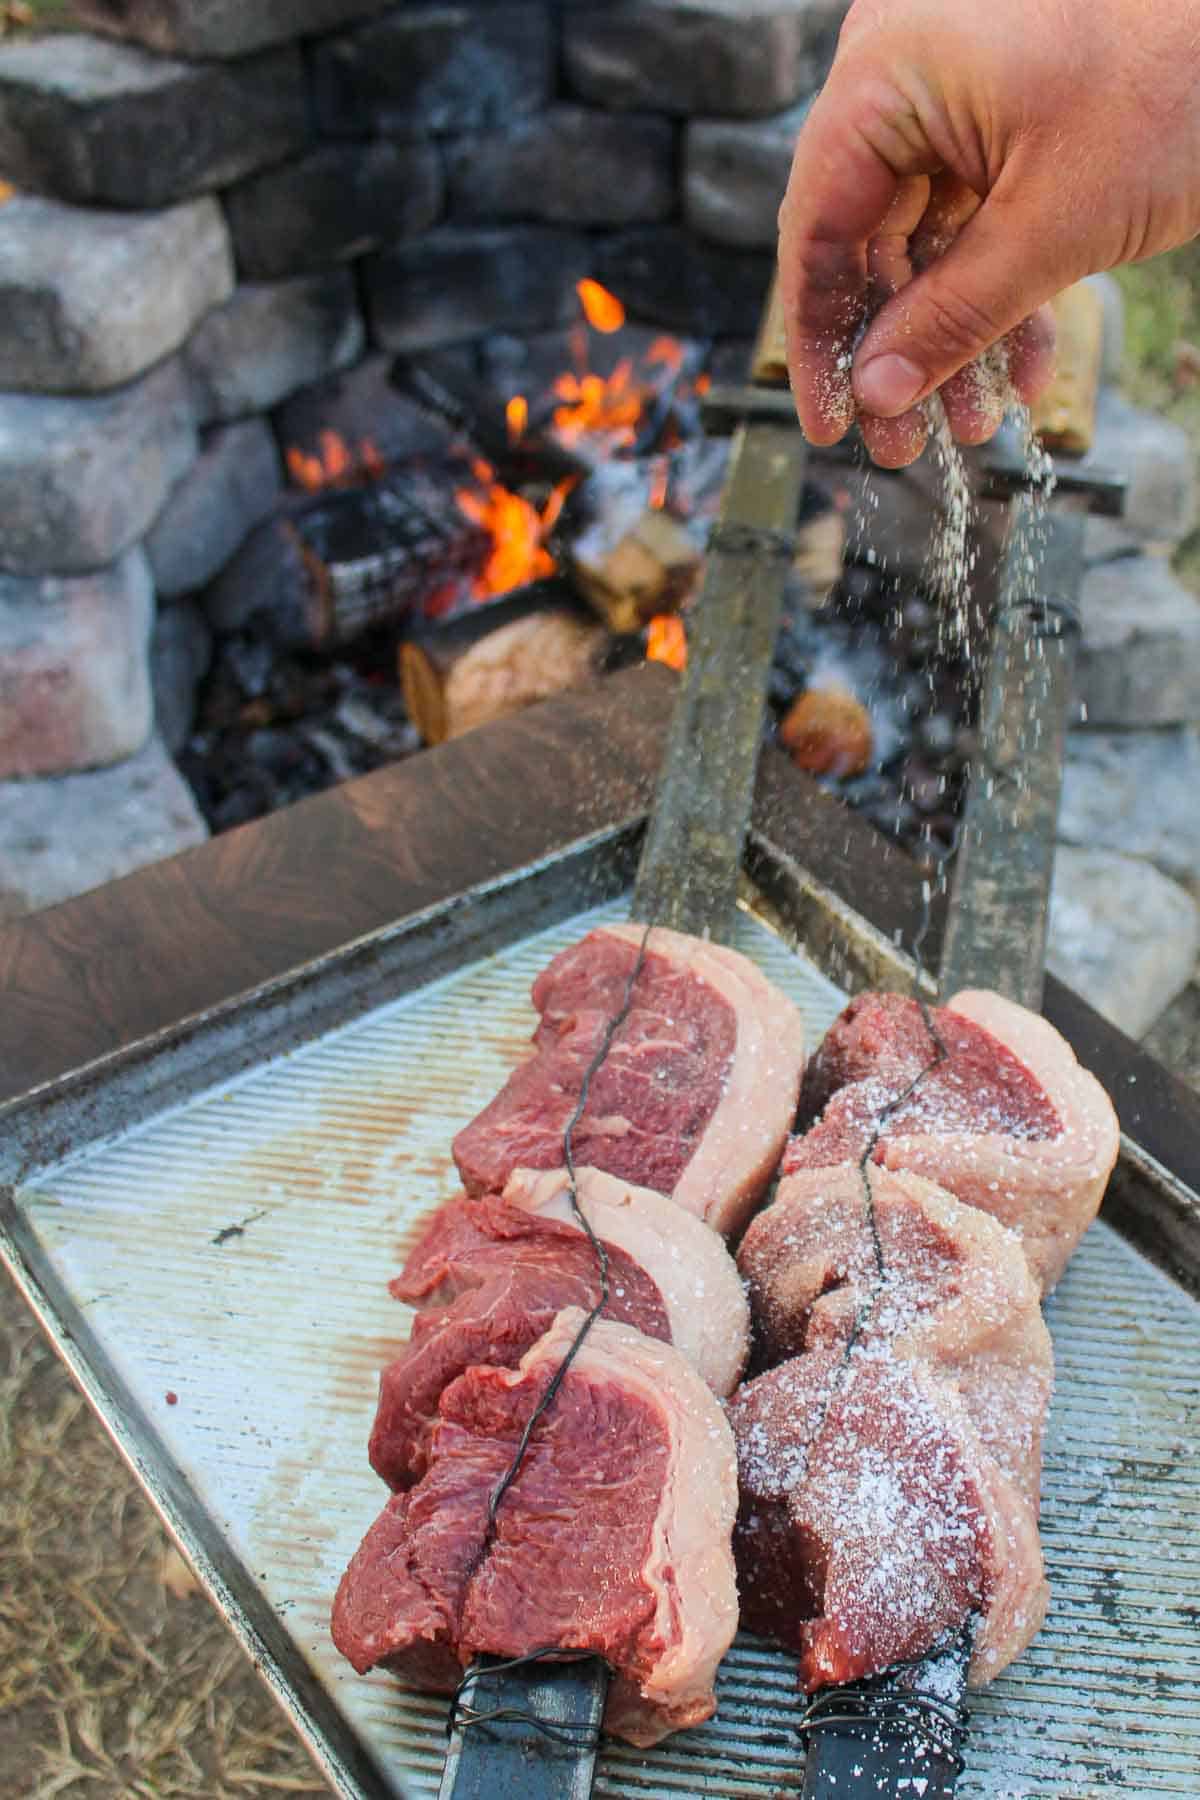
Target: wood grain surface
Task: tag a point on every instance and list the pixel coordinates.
(81, 980)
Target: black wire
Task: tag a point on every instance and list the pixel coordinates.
(461, 1712)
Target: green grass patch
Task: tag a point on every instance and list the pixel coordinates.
(1162, 327)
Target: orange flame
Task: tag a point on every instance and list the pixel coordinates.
(517, 530)
(660, 482)
(602, 310)
(334, 465)
(517, 415)
(595, 406)
(666, 641)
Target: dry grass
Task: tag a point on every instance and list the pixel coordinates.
(111, 1685)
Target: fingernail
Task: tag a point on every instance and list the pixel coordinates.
(888, 385)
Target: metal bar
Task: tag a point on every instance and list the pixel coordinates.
(504, 1760)
(996, 928)
(1003, 473)
(688, 880)
(689, 870)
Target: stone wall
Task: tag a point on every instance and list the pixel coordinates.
(221, 202)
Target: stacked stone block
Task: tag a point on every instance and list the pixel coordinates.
(223, 202)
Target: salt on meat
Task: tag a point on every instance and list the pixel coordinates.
(991, 1104)
(873, 1519)
(935, 1280)
(614, 1537)
(695, 1096)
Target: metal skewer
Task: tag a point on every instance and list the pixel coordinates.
(876, 1738)
(687, 879)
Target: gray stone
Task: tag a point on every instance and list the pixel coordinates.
(1135, 791)
(91, 299)
(82, 479)
(105, 124)
(458, 284)
(1175, 1039)
(337, 203)
(270, 339)
(1121, 934)
(735, 58)
(735, 173)
(1112, 359)
(220, 28)
(1159, 461)
(672, 278)
(1139, 656)
(569, 166)
(180, 653)
(362, 406)
(435, 70)
(61, 837)
(74, 681)
(230, 488)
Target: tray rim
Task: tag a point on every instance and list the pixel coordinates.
(145, 1077)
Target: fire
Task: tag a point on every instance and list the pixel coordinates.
(596, 407)
(602, 310)
(517, 415)
(666, 641)
(335, 465)
(517, 529)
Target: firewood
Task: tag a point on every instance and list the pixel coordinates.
(1065, 416)
(821, 552)
(650, 569)
(451, 687)
(770, 352)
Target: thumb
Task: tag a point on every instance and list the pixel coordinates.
(1000, 268)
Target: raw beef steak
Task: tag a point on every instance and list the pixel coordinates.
(872, 1519)
(956, 1292)
(491, 1277)
(990, 1103)
(614, 1538)
(695, 1096)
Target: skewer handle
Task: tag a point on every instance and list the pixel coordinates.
(507, 1758)
(996, 925)
(688, 877)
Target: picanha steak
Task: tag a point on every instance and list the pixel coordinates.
(695, 1096)
(613, 1538)
(489, 1275)
(981, 1096)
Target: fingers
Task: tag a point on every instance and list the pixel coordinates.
(842, 190)
(956, 309)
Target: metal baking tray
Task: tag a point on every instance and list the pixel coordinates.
(207, 1224)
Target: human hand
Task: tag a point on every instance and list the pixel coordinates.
(963, 164)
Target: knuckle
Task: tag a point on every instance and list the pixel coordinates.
(957, 326)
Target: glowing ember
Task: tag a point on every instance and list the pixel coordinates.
(666, 641)
(517, 415)
(335, 465)
(517, 529)
(603, 311)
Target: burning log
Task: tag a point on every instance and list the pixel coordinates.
(650, 569)
(1065, 415)
(475, 670)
